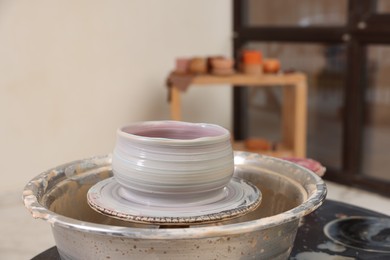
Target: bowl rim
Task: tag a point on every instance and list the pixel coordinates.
(37, 210)
(224, 133)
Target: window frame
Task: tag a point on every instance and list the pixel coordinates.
(364, 27)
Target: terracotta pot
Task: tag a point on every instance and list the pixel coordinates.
(252, 57)
(182, 65)
(198, 66)
(271, 66)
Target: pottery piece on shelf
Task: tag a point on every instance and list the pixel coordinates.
(254, 144)
(310, 164)
(198, 65)
(252, 57)
(222, 63)
(252, 62)
(271, 66)
(182, 65)
(222, 66)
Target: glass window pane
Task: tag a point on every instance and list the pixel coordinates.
(325, 69)
(296, 12)
(376, 158)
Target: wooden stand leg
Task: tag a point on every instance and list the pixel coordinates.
(294, 113)
(175, 104)
(301, 117)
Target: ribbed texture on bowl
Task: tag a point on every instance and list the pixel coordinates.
(171, 157)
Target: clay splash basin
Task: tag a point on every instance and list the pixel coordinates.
(289, 192)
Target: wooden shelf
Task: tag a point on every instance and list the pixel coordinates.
(249, 80)
(280, 151)
(293, 107)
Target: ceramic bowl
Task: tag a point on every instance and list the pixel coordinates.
(271, 66)
(198, 65)
(182, 65)
(166, 159)
(222, 63)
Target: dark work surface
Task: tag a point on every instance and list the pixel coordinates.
(310, 236)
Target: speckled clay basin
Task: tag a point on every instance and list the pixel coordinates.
(289, 192)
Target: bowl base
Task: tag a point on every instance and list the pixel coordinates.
(236, 199)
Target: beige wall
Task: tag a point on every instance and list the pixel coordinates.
(72, 71)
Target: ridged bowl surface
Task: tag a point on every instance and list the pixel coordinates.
(171, 158)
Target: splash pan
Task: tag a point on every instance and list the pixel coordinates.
(289, 192)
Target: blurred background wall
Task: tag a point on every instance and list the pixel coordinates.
(71, 72)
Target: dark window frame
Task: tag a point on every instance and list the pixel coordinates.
(364, 27)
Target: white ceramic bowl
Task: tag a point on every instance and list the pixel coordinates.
(167, 159)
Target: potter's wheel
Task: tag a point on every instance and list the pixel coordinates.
(237, 198)
(59, 196)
